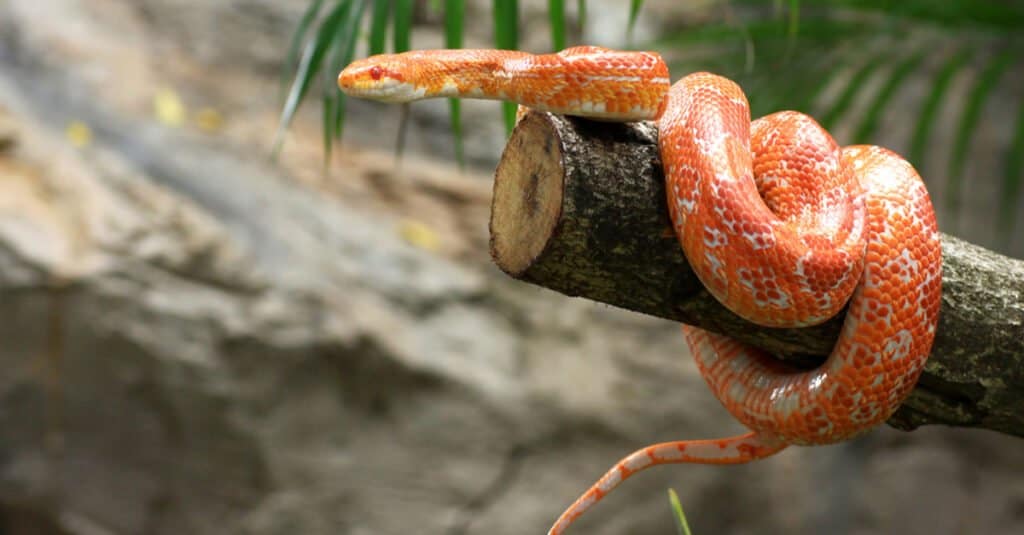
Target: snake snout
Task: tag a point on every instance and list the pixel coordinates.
(373, 80)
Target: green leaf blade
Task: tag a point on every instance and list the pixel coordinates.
(379, 26)
(845, 100)
(930, 109)
(1013, 176)
(634, 14)
(309, 66)
(332, 96)
(581, 12)
(678, 515)
(454, 22)
(506, 37)
(455, 113)
(556, 19)
(401, 41)
(293, 57)
(402, 36)
(347, 37)
(976, 99)
(869, 122)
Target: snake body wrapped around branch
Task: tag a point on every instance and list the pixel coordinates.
(780, 223)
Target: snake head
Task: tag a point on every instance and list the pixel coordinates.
(381, 77)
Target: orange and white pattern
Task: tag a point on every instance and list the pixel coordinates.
(783, 226)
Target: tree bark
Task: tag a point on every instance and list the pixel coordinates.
(579, 207)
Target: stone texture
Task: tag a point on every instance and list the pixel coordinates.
(196, 340)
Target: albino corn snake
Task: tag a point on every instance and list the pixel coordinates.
(781, 225)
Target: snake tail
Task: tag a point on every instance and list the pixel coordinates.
(781, 224)
(734, 450)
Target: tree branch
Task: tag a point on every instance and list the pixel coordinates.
(579, 207)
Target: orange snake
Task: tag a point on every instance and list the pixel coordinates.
(780, 224)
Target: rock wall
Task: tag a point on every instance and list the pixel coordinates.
(197, 340)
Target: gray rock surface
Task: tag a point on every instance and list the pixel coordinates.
(198, 341)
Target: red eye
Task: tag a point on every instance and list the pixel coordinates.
(376, 72)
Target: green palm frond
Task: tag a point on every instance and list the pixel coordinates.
(929, 110)
(1013, 175)
(378, 28)
(325, 40)
(581, 9)
(454, 17)
(506, 37)
(556, 20)
(844, 61)
(339, 55)
(309, 62)
(294, 50)
(869, 121)
(634, 13)
(402, 36)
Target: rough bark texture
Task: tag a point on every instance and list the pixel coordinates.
(579, 207)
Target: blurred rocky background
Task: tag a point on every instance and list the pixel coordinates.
(198, 340)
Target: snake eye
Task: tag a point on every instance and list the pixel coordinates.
(376, 72)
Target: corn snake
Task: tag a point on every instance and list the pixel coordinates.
(781, 225)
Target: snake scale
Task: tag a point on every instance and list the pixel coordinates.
(781, 224)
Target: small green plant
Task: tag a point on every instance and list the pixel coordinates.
(677, 510)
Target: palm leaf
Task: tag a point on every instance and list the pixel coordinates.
(378, 26)
(867, 55)
(853, 88)
(556, 19)
(930, 109)
(402, 36)
(869, 122)
(454, 14)
(634, 13)
(968, 123)
(792, 26)
(346, 45)
(817, 56)
(401, 42)
(294, 54)
(581, 13)
(506, 37)
(1012, 178)
(309, 66)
